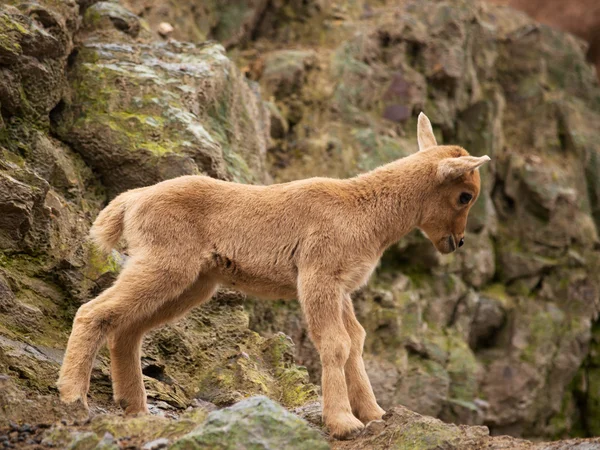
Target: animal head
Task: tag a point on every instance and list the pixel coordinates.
(455, 188)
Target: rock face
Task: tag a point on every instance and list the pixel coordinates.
(95, 99)
(141, 113)
(495, 334)
(582, 18)
(79, 125)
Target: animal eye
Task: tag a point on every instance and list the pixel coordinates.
(465, 198)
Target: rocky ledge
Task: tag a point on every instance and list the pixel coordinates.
(260, 423)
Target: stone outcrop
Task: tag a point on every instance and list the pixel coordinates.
(79, 125)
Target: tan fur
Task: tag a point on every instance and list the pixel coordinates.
(317, 240)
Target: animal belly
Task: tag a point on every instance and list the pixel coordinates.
(260, 286)
(263, 289)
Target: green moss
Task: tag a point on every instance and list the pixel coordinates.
(11, 33)
(593, 402)
(98, 263)
(497, 291)
(543, 331)
(462, 367)
(421, 436)
(147, 428)
(294, 388)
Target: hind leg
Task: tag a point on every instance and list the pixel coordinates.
(140, 290)
(74, 377)
(125, 345)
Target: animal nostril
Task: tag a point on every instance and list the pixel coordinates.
(461, 242)
(451, 243)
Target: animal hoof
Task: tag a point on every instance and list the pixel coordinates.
(346, 427)
(375, 414)
(132, 410)
(71, 394)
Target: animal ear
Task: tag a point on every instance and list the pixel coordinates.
(452, 168)
(425, 134)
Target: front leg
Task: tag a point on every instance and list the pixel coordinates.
(321, 301)
(362, 399)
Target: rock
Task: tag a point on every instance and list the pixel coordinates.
(578, 19)
(279, 124)
(236, 362)
(17, 210)
(181, 114)
(165, 29)
(111, 431)
(17, 405)
(402, 428)
(284, 72)
(109, 14)
(490, 316)
(156, 444)
(254, 423)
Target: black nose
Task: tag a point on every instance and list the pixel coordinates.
(461, 242)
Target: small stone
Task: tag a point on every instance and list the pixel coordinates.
(108, 437)
(156, 444)
(165, 29)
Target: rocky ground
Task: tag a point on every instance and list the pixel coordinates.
(100, 97)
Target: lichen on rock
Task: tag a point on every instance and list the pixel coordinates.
(163, 110)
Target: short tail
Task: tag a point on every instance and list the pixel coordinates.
(108, 226)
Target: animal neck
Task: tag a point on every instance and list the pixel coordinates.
(391, 198)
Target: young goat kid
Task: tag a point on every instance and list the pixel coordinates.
(317, 240)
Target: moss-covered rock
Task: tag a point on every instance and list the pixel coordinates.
(212, 355)
(404, 429)
(143, 113)
(256, 423)
(106, 432)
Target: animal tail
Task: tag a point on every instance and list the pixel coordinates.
(108, 226)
